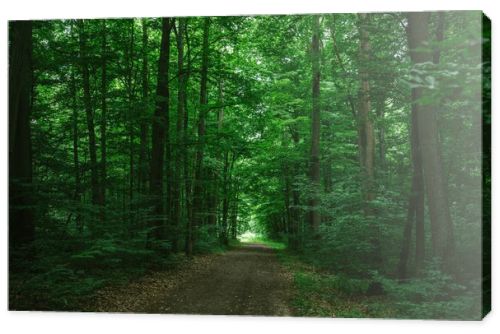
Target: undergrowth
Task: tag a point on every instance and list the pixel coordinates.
(322, 293)
(64, 274)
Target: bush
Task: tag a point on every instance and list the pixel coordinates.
(435, 295)
(206, 240)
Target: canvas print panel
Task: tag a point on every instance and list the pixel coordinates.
(329, 165)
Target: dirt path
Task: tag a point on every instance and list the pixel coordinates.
(246, 281)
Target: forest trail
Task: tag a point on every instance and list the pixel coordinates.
(247, 280)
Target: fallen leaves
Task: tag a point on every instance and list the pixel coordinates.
(138, 296)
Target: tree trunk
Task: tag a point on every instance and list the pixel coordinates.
(214, 212)
(212, 174)
(314, 214)
(367, 140)
(287, 192)
(104, 108)
(144, 117)
(176, 194)
(327, 171)
(185, 152)
(87, 102)
(212, 199)
(234, 213)
(129, 76)
(295, 210)
(418, 194)
(198, 181)
(159, 129)
(225, 199)
(76, 160)
(435, 183)
(168, 169)
(365, 124)
(380, 106)
(405, 246)
(176, 191)
(415, 205)
(21, 215)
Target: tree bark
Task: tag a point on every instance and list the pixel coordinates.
(365, 124)
(185, 151)
(295, 210)
(314, 214)
(380, 106)
(367, 140)
(76, 160)
(159, 130)
(418, 193)
(131, 118)
(415, 205)
(176, 181)
(168, 169)
(405, 246)
(198, 181)
(21, 202)
(287, 193)
(226, 184)
(144, 117)
(87, 102)
(213, 195)
(104, 108)
(434, 180)
(234, 213)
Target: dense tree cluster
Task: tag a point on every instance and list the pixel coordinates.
(353, 138)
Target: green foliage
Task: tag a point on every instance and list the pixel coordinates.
(320, 293)
(254, 182)
(58, 288)
(67, 271)
(435, 295)
(207, 241)
(111, 253)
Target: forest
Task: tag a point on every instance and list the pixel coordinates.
(354, 148)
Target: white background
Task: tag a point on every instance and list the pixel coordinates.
(52, 322)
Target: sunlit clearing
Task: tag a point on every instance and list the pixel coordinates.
(249, 236)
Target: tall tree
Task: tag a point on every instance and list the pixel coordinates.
(434, 179)
(314, 214)
(21, 220)
(229, 160)
(365, 123)
(416, 198)
(181, 91)
(415, 209)
(296, 202)
(213, 195)
(76, 159)
(185, 152)
(97, 199)
(144, 115)
(366, 140)
(380, 111)
(104, 108)
(198, 177)
(130, 88)
(159, 132)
